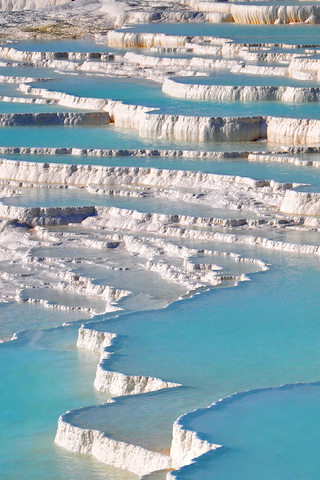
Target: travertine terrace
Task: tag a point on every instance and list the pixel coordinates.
(168, 242)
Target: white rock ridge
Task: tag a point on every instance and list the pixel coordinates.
(244, 93)
(99, 152)
(293, 131)
(187, 445)
(12, 5)
(119, 454)
(280, 130)
(81, 175)
(260, 14)
(88, 118)
(301, 203)
(107, 450)
(116, 383)
(93, 339)
(119, 384)
(37, 216)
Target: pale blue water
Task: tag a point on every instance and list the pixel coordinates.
(40, 376)
(262, 333)
(279, 427)
(16, 317)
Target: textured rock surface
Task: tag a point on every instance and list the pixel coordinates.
(243, 94)
(36, 216)
(94, 340)
(16, 119)
(186, 446)
(119, 384)
(122, 455)
(293, 131)
(301, 203)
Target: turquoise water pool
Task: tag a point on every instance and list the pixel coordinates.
(278, 426)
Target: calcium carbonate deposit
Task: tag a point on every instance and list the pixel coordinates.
(159, 239)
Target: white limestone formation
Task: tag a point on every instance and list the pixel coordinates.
(262, 242)
(243, 93)
(116, 383)
(177, 127)
(52, 18)
(250, 69)
(122, 115)
(146, 236)
(119, 384)
(13, 79)
(192, 278)
(304, 68)
(39, 58)
(293, 131)
(187, 445)
(202, 129)
(13, 5)
(275, 14)
(82, 175)
(84, 286)
(301, 203)
(98, 152)
(260, 14)
(249, 54)
(37, 216)
(277, 158)
(168, 15)
(150, 61)
(16, 119)
(174, 127)
(155, 68)
(94, 340)
(144, 40)
(118, 454)
(34, 101)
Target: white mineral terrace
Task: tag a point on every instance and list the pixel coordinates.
(243, 94)
(259, 14)
(82, 175)
(98, 152)
(116, 383)
(186, 445)
(279, 130)
(94, 340)
(126, 456)
(15, 119)
(97, 259)
(53, 273)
